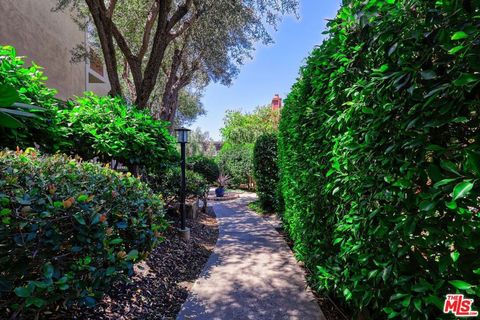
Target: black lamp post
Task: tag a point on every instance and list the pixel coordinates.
(182, 138)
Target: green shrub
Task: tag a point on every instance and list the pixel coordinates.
(205, 166)
(266, 171)
(380, 157)
(237, 162)
(169, 184)
(13, 113)
(68, 228)
(29, 82)
(107, 128)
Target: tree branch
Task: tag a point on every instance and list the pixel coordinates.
(179, 14)
(96, 8)
(160, 43)
(111, 8)
(184, 27)
(152, 16)
(133, 61)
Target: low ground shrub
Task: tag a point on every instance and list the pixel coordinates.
(169, 185)
(380, 157)
(205, 166)
(68, 229)
(237, 162)
(266, 171)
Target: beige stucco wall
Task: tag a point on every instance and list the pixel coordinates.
(47, 38)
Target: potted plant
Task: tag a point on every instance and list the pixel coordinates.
(222, 181)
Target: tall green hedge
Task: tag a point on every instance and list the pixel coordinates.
(266, 171)
(380, 157)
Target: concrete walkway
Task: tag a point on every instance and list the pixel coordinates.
(252, 273)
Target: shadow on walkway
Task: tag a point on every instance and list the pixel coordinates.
(252, 273)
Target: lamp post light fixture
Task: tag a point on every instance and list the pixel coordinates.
(182, 138)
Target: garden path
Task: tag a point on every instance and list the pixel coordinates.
(252, 273)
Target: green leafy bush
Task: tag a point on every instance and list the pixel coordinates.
(11, 111)
(380, 157)
(168, 184)
(205, 166)
(237, 162)
(68, 228)
(107, 128)
(266, 171)
(29, 82)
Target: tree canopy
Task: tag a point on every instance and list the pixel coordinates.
(245, 128)
(177, 42)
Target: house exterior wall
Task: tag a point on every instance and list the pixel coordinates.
(47, 38)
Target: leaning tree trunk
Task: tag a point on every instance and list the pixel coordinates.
(104, 31)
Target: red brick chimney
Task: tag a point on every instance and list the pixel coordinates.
(276, 102)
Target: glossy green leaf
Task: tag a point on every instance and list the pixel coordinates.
(443, 182)
(465, 79)
(8, 121)
(48, 270)
(455, 255)
(456, 49)
(23, 292)
(459, 35)
(426, 205)
(459, 284)
(116, 241)
(37, 302)
(132, 255)
(462, 189)
(79, 218)
(8, 95)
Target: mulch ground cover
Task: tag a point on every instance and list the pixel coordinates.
(161, 284)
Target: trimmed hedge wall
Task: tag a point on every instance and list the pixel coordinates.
(68, 229)
(380, 157)
(265, 171)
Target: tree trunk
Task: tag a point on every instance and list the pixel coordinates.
(104, 31)
(161, 40)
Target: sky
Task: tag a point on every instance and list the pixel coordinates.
(274, 68)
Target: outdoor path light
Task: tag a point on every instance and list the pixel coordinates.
(182, 138)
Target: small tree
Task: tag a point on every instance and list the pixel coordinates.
(205, 166)
(236, 161)
(266, 171)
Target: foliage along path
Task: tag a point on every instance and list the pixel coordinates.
(252, 273)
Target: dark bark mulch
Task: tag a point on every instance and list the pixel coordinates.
(161, 284)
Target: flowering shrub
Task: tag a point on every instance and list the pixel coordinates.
(68, 228)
